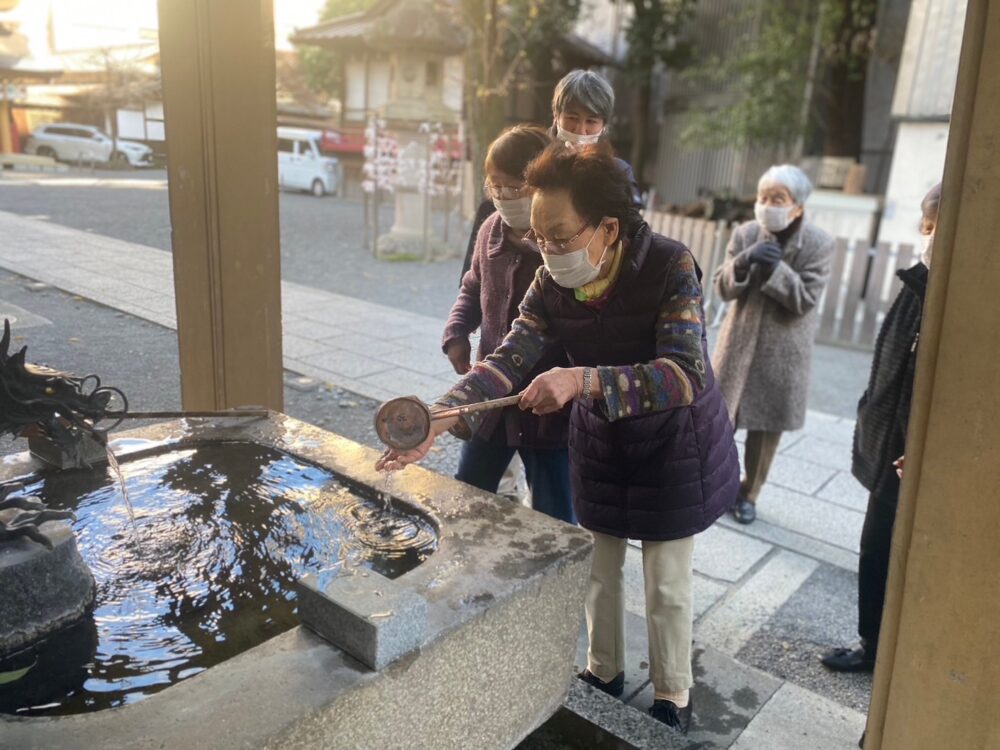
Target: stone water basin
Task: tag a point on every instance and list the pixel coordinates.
(200, 565)
(195, 638)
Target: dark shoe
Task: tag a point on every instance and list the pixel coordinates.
(744, 511)
(849, 660)
(615, 688)
(668, 713)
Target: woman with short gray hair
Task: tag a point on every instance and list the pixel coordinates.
(582, 106)
(775, 271)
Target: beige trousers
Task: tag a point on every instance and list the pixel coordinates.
(759, 453)
(667, 573)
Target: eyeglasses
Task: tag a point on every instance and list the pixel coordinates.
(503, 192)
(554, 247)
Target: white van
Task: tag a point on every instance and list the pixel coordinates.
(301, 165)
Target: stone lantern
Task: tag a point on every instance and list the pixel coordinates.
(404, 67)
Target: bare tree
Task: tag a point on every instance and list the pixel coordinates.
(122, 81)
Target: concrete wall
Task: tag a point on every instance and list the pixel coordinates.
(602, 23)
(878, 130)
(917, 165)
(927, 70)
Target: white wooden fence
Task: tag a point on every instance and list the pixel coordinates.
(862, 285)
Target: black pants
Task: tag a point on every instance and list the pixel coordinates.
(873, 563)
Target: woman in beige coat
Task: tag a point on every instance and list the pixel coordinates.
(775, 271)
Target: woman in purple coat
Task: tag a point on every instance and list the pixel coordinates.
(503, 267)
(651, 447)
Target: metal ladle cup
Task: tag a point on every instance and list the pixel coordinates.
(404, 423)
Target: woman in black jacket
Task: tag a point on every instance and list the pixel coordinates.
(879, 441)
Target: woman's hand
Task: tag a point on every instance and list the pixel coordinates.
(765, 253)
(394, 460)
(898, 464)
(460, 354)
(552, 390)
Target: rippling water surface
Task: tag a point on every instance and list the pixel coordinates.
(221, 531)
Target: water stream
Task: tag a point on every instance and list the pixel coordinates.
(117, 470)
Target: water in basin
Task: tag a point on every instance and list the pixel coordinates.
(221, 532)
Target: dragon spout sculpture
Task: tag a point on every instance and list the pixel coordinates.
(36, 401)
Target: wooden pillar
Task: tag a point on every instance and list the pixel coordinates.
(6, 141)
(217, 60)
(937, 680)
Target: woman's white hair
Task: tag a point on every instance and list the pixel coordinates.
(789, 177)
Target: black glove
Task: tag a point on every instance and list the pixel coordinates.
(766, 254)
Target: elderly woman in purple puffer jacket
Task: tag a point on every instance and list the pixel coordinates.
(651, 448)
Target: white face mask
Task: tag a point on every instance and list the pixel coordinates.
(773, 218)
(575, 139)
(515, 212)
(574, 269)
(926, 249)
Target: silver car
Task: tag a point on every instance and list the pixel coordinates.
(68, 141)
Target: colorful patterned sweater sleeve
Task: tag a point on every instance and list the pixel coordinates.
(673, 379)
(677, 375)
(496, 375)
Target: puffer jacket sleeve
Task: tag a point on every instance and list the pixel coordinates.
(467, 313)
(677, 375)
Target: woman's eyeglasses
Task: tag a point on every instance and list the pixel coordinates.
(553, 247)
(503, 192)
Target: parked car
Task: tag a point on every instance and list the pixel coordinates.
(67, 141)
(302, 164)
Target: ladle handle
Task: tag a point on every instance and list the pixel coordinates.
(178, 414)
(458, 411)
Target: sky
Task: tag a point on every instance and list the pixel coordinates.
(95, 23)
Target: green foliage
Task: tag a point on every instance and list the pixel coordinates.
(323, 68)
(507, 37)
(848, 33)
(654, 37)
(763, 83)
(532, 27)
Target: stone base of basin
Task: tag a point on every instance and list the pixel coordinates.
(41, 589)
(503, 597)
